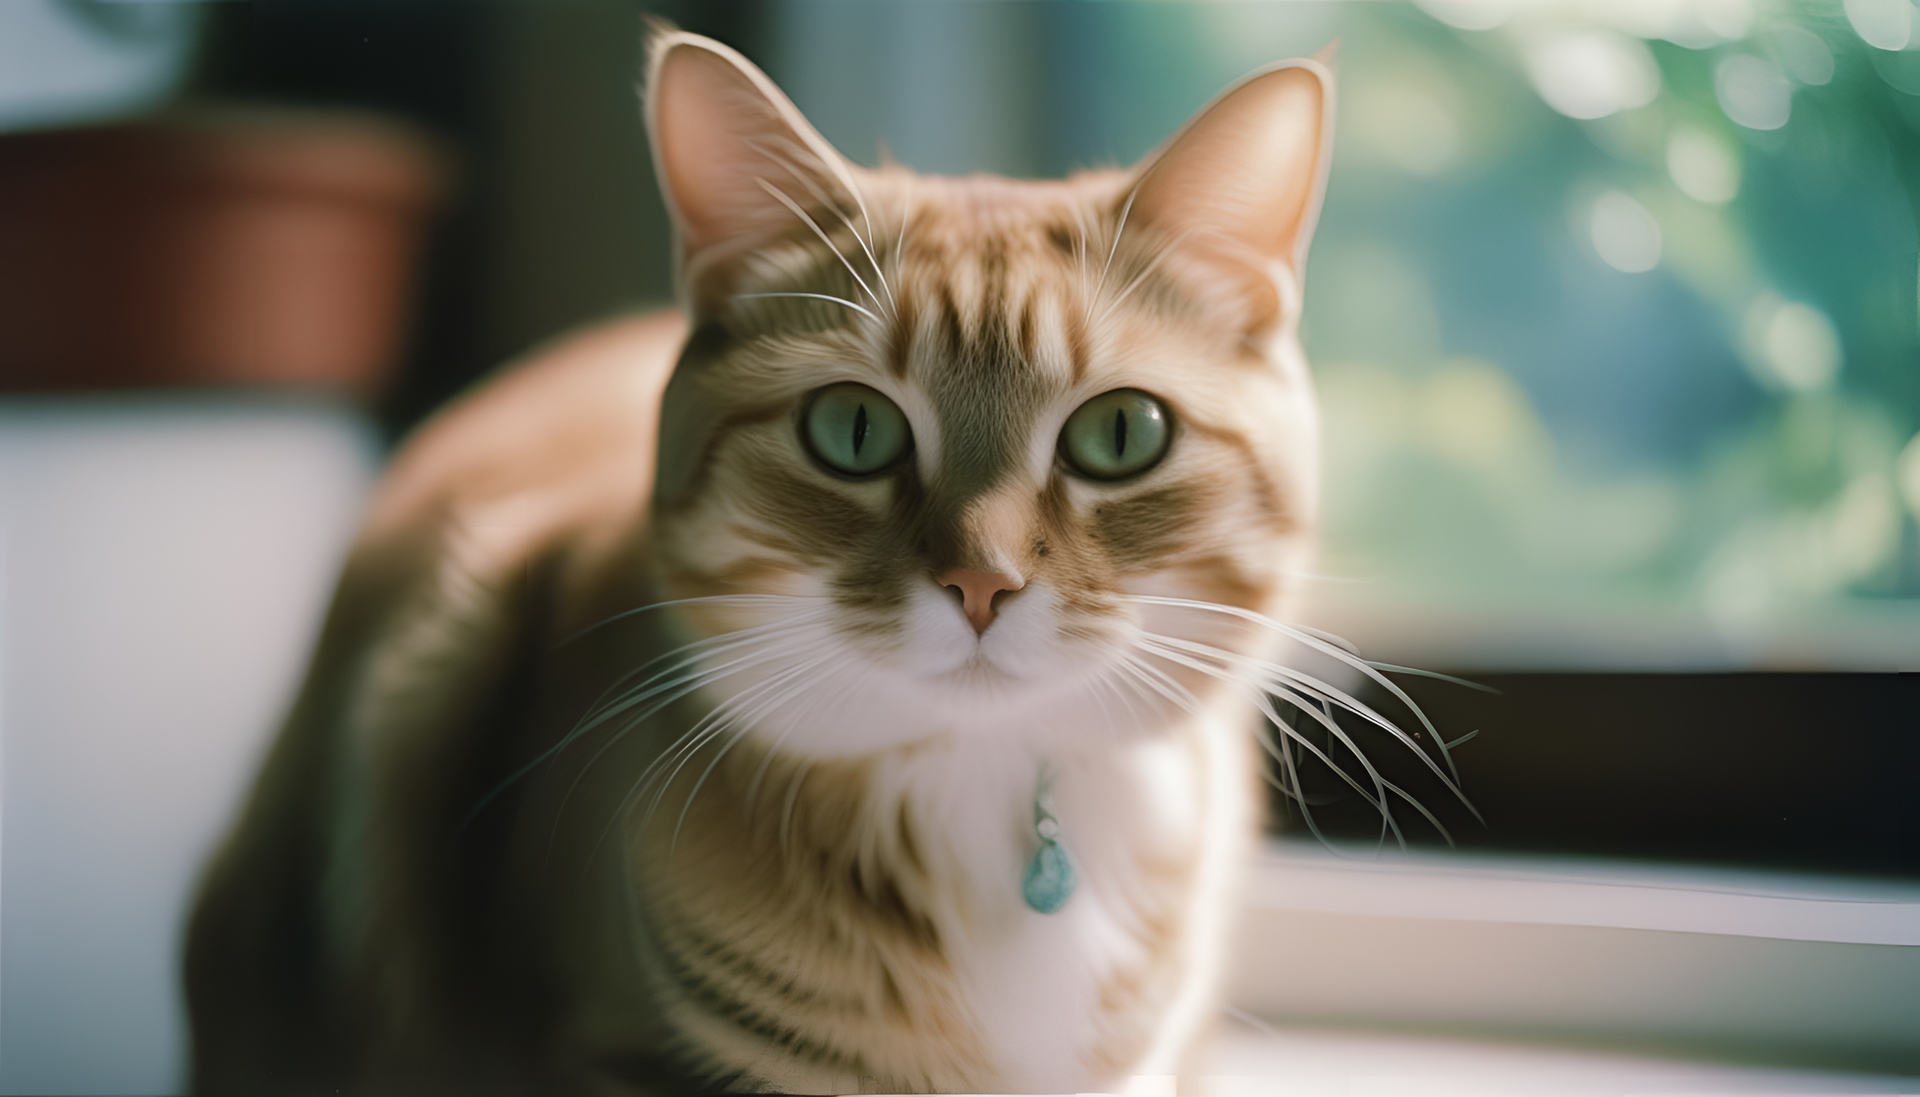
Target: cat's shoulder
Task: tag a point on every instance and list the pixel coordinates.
(561, 440)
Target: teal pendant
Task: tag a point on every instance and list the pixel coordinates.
(1050, 878)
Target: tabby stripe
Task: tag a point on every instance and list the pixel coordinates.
(702, 992)
(748, 970)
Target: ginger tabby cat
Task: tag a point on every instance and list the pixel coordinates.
(844, 683)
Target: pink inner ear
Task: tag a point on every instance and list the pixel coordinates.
(698, 112)
(1245, 175)
(720, 127)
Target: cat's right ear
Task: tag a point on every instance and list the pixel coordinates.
(737, 162)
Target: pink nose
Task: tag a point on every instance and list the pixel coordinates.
(978, 592)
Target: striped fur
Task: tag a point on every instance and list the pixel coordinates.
(770, 834)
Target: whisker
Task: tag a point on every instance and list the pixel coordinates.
(707, 599)
(710, 727)
(860, 199)
(741, 721)
(906, 207)
(794, 208)
(826, 200)
(1103, 689)
(1261, 701)
(1298, 689)
(1434, 674)
(1265, 682)
(585, 726)
(712, 645)
(1133, 284)
(1114, 249)
(1274, 674)
(816, 296)
(694, 737)
(1156, 680)
(688, 654)
(691, 656)
(685, 741)
(745, 662)
(798, 719)
(1313, 638)
(664, 689)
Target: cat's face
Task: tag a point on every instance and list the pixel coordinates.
(933, 438)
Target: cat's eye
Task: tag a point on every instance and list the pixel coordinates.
(1116, 435)
(853, 430)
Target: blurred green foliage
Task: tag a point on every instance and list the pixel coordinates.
(1616, 302)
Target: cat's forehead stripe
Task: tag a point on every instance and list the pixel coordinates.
(985, 390)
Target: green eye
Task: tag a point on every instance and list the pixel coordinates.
(1117, 434)
(853, 430)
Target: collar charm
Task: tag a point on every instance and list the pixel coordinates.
(1051, 876)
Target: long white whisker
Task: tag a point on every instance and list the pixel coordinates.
(712, 726)
(1138, 279)
(706, 599)
(1433, 674)
(860, 199)
(1261, 701)
(1104, 689)
(688, 656)
(1125, 211)
(691, 740)
(821, 196)
(653, 687)
(675, 692)
(1274, 675)
(1324, 717)
(1158, 681)
(1312, 638)
(794, 208)
(698, 657)
(797, 719)
(862, 310)
(906, 207)
(757, 658)
(1216, 662)
(742, 721)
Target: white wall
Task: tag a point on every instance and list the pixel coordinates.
(163, 567)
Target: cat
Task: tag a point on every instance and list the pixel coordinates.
(845, 682)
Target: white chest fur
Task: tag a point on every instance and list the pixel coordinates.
(1117, 980)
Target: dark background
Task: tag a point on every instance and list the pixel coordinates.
(1802, 772)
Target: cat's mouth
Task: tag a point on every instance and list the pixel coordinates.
(1026, 643)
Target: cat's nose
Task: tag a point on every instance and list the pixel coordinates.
(979, 591)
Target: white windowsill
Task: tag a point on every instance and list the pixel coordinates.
(1700, 962)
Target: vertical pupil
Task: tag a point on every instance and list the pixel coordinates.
(859, 428)
(1119, 433)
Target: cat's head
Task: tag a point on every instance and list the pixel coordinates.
(933, 439)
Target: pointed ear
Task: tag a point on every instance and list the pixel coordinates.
(725, 140)
(1239, 187)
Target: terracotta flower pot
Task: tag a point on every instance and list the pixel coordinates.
(241, 248)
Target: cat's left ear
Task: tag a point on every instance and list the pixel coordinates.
(738, 164)
(1238, 189)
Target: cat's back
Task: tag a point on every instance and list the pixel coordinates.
(564, 439)
(318, 939)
